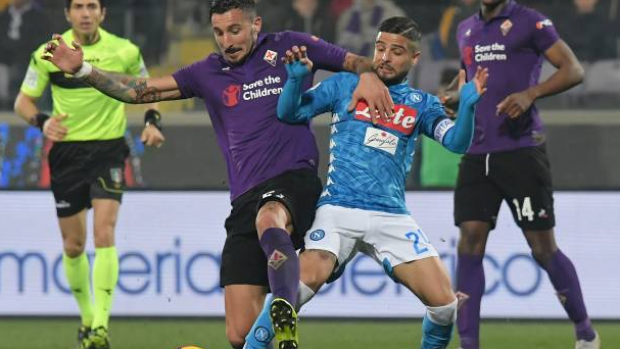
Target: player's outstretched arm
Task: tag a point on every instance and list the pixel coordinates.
(293, 105)
(125, 88)
(458, 138)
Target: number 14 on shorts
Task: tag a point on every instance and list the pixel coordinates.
(416, 236)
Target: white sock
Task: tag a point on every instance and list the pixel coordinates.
(304, 295)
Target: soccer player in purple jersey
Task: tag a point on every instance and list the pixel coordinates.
(271, 165)
(508, 160)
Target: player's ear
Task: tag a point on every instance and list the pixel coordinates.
(257, 24)
(103, 13)
(415, 57)
(67, 15)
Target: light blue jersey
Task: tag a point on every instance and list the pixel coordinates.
(369, 164)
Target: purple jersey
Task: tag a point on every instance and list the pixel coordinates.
(512, 46)
(242, 101)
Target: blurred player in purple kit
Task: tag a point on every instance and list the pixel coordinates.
(271, 165)
(507, 159)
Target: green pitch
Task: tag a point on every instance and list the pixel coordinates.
(314, 334)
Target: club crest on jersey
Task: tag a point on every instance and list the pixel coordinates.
(271, 57)
(505, 27)
(230, 96)
(403, 121)
(415, 98)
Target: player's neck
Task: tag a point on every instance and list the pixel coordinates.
(491, 11)
(87, 39)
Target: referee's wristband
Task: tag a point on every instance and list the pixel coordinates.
(84, 71)
(153, 117)
(40, 120)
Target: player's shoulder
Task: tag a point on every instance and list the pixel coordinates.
(344, 80)
(118, 42)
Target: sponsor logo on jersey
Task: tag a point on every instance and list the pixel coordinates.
(276, 259)
(382, 140)
(403, 120)
(546, 23)
(317, 235)
(492, 52)
(271, 57)
(505, 27)
(468, 32)
(230, 96)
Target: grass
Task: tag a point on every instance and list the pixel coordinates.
(47, 333)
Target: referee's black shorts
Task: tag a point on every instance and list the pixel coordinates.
(86, 170)
(243, 259)
(522, 177)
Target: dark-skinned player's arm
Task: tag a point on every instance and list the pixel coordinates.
(125, 88)
(570, 73)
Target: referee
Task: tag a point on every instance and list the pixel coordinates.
(87, 158)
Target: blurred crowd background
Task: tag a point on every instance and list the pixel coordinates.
(582, 124)
(173, 33)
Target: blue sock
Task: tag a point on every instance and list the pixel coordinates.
(435, 336)
(261, 333)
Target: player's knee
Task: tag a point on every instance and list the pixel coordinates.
(316, 267)
(542, 256)
(235, 337)
(73, 248)
(472, 239)
(271, 215)
(443, 315)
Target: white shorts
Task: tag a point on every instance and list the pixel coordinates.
(386, 237)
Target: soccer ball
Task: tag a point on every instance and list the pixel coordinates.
(188, 347)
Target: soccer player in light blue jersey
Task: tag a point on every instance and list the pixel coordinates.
(362, 207)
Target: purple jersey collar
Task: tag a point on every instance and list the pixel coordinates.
(506, 11)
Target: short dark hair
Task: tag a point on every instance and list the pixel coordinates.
(404, 26)
(223, 6)
(68, 3)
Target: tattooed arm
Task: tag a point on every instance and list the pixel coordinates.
(125, 88)
(130, 89)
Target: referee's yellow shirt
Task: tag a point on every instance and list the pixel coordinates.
(91, 114)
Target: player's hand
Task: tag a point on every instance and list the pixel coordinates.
(67, 59)
(298, 65)
(449, 100)
(480, 79)
(371, 89)
(516, 104)
(152, 136)
(53, 128)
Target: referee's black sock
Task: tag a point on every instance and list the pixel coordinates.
(282, 264)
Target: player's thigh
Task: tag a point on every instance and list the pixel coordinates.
(298, 191)
(334, 232)
(428, 279)
(73, 230)
(242, 304)
(476, 197)
(524, 177)
(105, 218)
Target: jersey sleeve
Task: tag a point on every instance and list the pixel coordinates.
(319, 99)
(185, 78)
(37, 77)
(323, 54)
(544, 34)
(434, 121)
(136, 66)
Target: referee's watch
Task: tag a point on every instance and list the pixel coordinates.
(153, 117)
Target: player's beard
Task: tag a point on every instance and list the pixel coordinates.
(395, 79)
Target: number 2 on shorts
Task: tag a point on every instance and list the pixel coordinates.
(415, 236)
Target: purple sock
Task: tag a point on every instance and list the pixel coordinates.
(282, 264)
(470, 288)
(564, 278)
